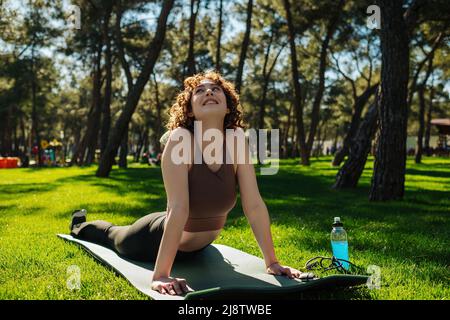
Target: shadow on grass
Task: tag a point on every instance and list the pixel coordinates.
(24, 189)
(428, 173)
(121, 182)
(132, 212)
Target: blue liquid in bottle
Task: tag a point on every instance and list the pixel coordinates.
(340, 251)
(339, 243)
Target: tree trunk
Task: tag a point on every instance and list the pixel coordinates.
(348, 176)
(157, 132)
(191, 70)
(219, 37)
(133, 96)
(336, 138)
(418, 157)
(34, 113)
(244, 48)
(287, 130)
(419, 148)
(106, 110)
(276, 117)
(123, 151)
(23, 134)
(316, 152)
(15, 136)
(6, 130)
(297, 88)
(358, 107)
(141, 143)
(428, 124)
(86, 151)
(266, 81)
(2, 131)
(76, 143)
(265, 85)
(389, 168)
(315, 116)
(324, 137)
(145, 143)
(294, 151)
(93, 139)
(262, 110)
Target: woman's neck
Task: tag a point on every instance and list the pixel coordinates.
(211, 124)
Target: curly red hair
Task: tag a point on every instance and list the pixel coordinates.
(178, 113)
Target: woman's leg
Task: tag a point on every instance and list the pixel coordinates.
(139, 241)
(93, 231)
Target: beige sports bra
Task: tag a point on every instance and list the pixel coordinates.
(211, 195)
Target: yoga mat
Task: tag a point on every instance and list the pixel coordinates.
(217, 272)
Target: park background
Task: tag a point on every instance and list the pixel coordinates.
(362, 107)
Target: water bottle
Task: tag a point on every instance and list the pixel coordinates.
(339, 243)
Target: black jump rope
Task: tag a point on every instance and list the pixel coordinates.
(333, 263)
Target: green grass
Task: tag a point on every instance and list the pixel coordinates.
(408, 240)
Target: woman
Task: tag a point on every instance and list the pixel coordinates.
(199, 195)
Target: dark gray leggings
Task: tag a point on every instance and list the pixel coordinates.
(139, 241)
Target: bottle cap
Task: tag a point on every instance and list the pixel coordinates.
(337, 222)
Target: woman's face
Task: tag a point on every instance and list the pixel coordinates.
(208, 101)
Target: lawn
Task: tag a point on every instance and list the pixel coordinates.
(409, 240)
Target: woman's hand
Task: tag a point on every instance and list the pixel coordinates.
(277, 269)
(173, 286)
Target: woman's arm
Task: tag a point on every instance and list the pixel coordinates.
(170, 241)
(258, 216)
(254, 207)
(175, 178)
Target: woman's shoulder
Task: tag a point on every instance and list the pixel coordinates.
(174, 135)
(175, 140)
(177, 131)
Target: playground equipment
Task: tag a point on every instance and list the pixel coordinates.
(9, 162)
(443, 126)
(51, 153)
